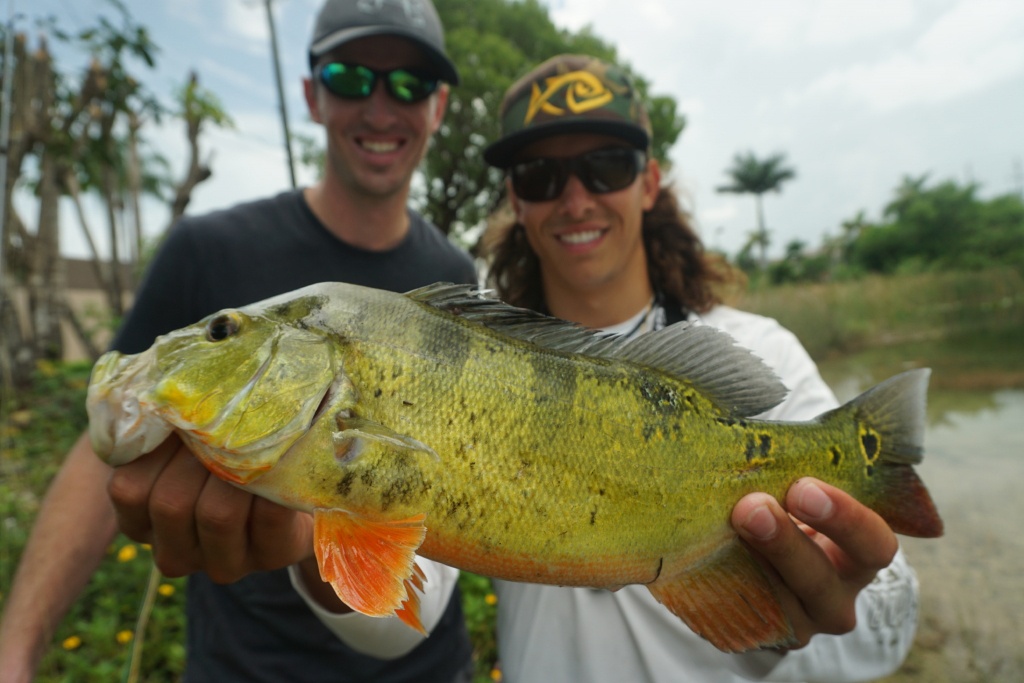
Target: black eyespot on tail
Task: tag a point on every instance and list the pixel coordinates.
(870, 443)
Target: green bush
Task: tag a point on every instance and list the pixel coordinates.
(94, 642)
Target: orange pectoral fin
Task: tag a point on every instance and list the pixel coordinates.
(371, 565)
(728, 600)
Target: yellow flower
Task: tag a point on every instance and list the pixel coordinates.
(20, 419)
(166, 590)
(124, 637)
(496, 675)
(46, 368)
(72, 643)
(127, 553)
(491, 599)
(146, 546)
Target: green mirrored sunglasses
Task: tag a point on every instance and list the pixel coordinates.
(356, 82)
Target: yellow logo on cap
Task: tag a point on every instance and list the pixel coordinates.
(583, 91)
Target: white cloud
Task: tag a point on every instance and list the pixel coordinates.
(248, 20)
(973, 46)
(721, 213)
(229, 77)
(840, 22)
(784, 25)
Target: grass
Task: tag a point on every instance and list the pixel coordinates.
(845, 317)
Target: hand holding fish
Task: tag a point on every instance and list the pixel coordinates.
(198, 522)
(820, 562)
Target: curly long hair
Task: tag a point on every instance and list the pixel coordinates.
(679, 267)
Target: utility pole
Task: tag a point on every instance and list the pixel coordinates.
(280, 92)
(6, 371)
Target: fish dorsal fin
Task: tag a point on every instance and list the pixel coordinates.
(732, 377)
(471, 303)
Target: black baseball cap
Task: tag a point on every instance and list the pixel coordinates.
(569, 94)
(341, 21)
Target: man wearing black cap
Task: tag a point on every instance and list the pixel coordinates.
(257, 609)
(597, 240)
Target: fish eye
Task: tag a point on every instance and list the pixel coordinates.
(221, 327)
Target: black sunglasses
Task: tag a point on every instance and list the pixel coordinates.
(356, 82)
(600, 171)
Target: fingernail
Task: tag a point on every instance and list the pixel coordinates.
(761, 523)
(814, 502)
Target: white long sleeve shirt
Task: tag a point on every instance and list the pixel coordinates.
(571, 635)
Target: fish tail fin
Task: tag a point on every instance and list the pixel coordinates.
(891, 420)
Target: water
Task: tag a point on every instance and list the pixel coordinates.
(972, 579)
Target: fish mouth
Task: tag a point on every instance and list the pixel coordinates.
(121, 425)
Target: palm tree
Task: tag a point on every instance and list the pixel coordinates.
(750, 175)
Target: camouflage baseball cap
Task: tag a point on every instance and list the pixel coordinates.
(569, 94)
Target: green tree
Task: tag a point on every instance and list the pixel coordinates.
(494, 42)
(937, 221)
(72, 135)
(943, 226)
(750, 175)
(999, 235)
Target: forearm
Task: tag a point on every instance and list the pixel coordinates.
(75, 525)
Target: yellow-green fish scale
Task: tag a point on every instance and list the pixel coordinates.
(548, 460)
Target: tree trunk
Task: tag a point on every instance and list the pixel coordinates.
(134, 193)
(112, 200)
(83, 335)
(46, 279)
(74, 191)
(197, 171)
(16, 361)
(762, 232)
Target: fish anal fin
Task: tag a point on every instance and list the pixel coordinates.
(371, 565)
(729, 601)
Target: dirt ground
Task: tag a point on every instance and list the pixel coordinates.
(971, 627)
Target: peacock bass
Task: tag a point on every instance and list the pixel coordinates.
(510, 444)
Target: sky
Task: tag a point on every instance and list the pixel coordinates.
(857, 94)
